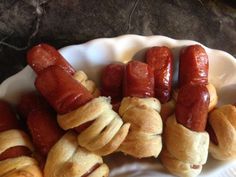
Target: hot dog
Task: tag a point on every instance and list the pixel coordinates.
(161, 60)
(61, 90)
(9, 121)
(111, 81)
(44, 130)
(8, 118)
(138, 80)
(43, 55)
(192, 107)
(193, 66)
(29, 102)
(16, 151)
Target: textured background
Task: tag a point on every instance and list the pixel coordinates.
(24, 23)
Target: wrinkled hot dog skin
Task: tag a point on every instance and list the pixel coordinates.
(138, 80)
(61, 90)
(112, 80)
(43, 55)
(44, 130)
(161, 60)
(192, 107)
(8, 118)
(193, 66)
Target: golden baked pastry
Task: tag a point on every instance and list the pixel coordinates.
(213, 96)
(223, 123)
(68, 159)
(89, 84)
(22, 166)
(184, 151)
(167, 109)
(107, 130)
(144, 138)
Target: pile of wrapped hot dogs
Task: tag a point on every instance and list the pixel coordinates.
(72, 123)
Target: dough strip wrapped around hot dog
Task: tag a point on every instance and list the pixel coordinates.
(141, 110)
(68, 159)
(15, 147)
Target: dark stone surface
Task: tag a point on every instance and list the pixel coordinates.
(24, 23)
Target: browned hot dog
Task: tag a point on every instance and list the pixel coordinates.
(111, 81)
(61, 90)
(192, 107)
(9, 121)
(138, 80)
(43, 55)
(44, 130)
(193, 66)
(161, 60)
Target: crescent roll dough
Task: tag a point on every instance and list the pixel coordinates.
(144, 138)
(184, 151)
(167, 109)
(213, 96)
(68, 159)
(22, 166)
(107, 130)
(89, 84)
(223, 122)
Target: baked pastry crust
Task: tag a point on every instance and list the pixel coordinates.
(89, 84)
(223, 122)
(22, 166)
(167, 109)
(68, 159)
(14, 137)
(178, 167)
(107, 130)
(144, 138)
(184, 149)
(213, 96)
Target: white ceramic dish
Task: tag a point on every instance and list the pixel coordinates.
(93, 55)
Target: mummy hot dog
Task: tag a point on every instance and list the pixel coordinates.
(187, 125)
(15, 147)
(142, 110)
(76, 107)
(64, 157)
(221, 128)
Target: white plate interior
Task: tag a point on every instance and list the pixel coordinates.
(92, 56)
